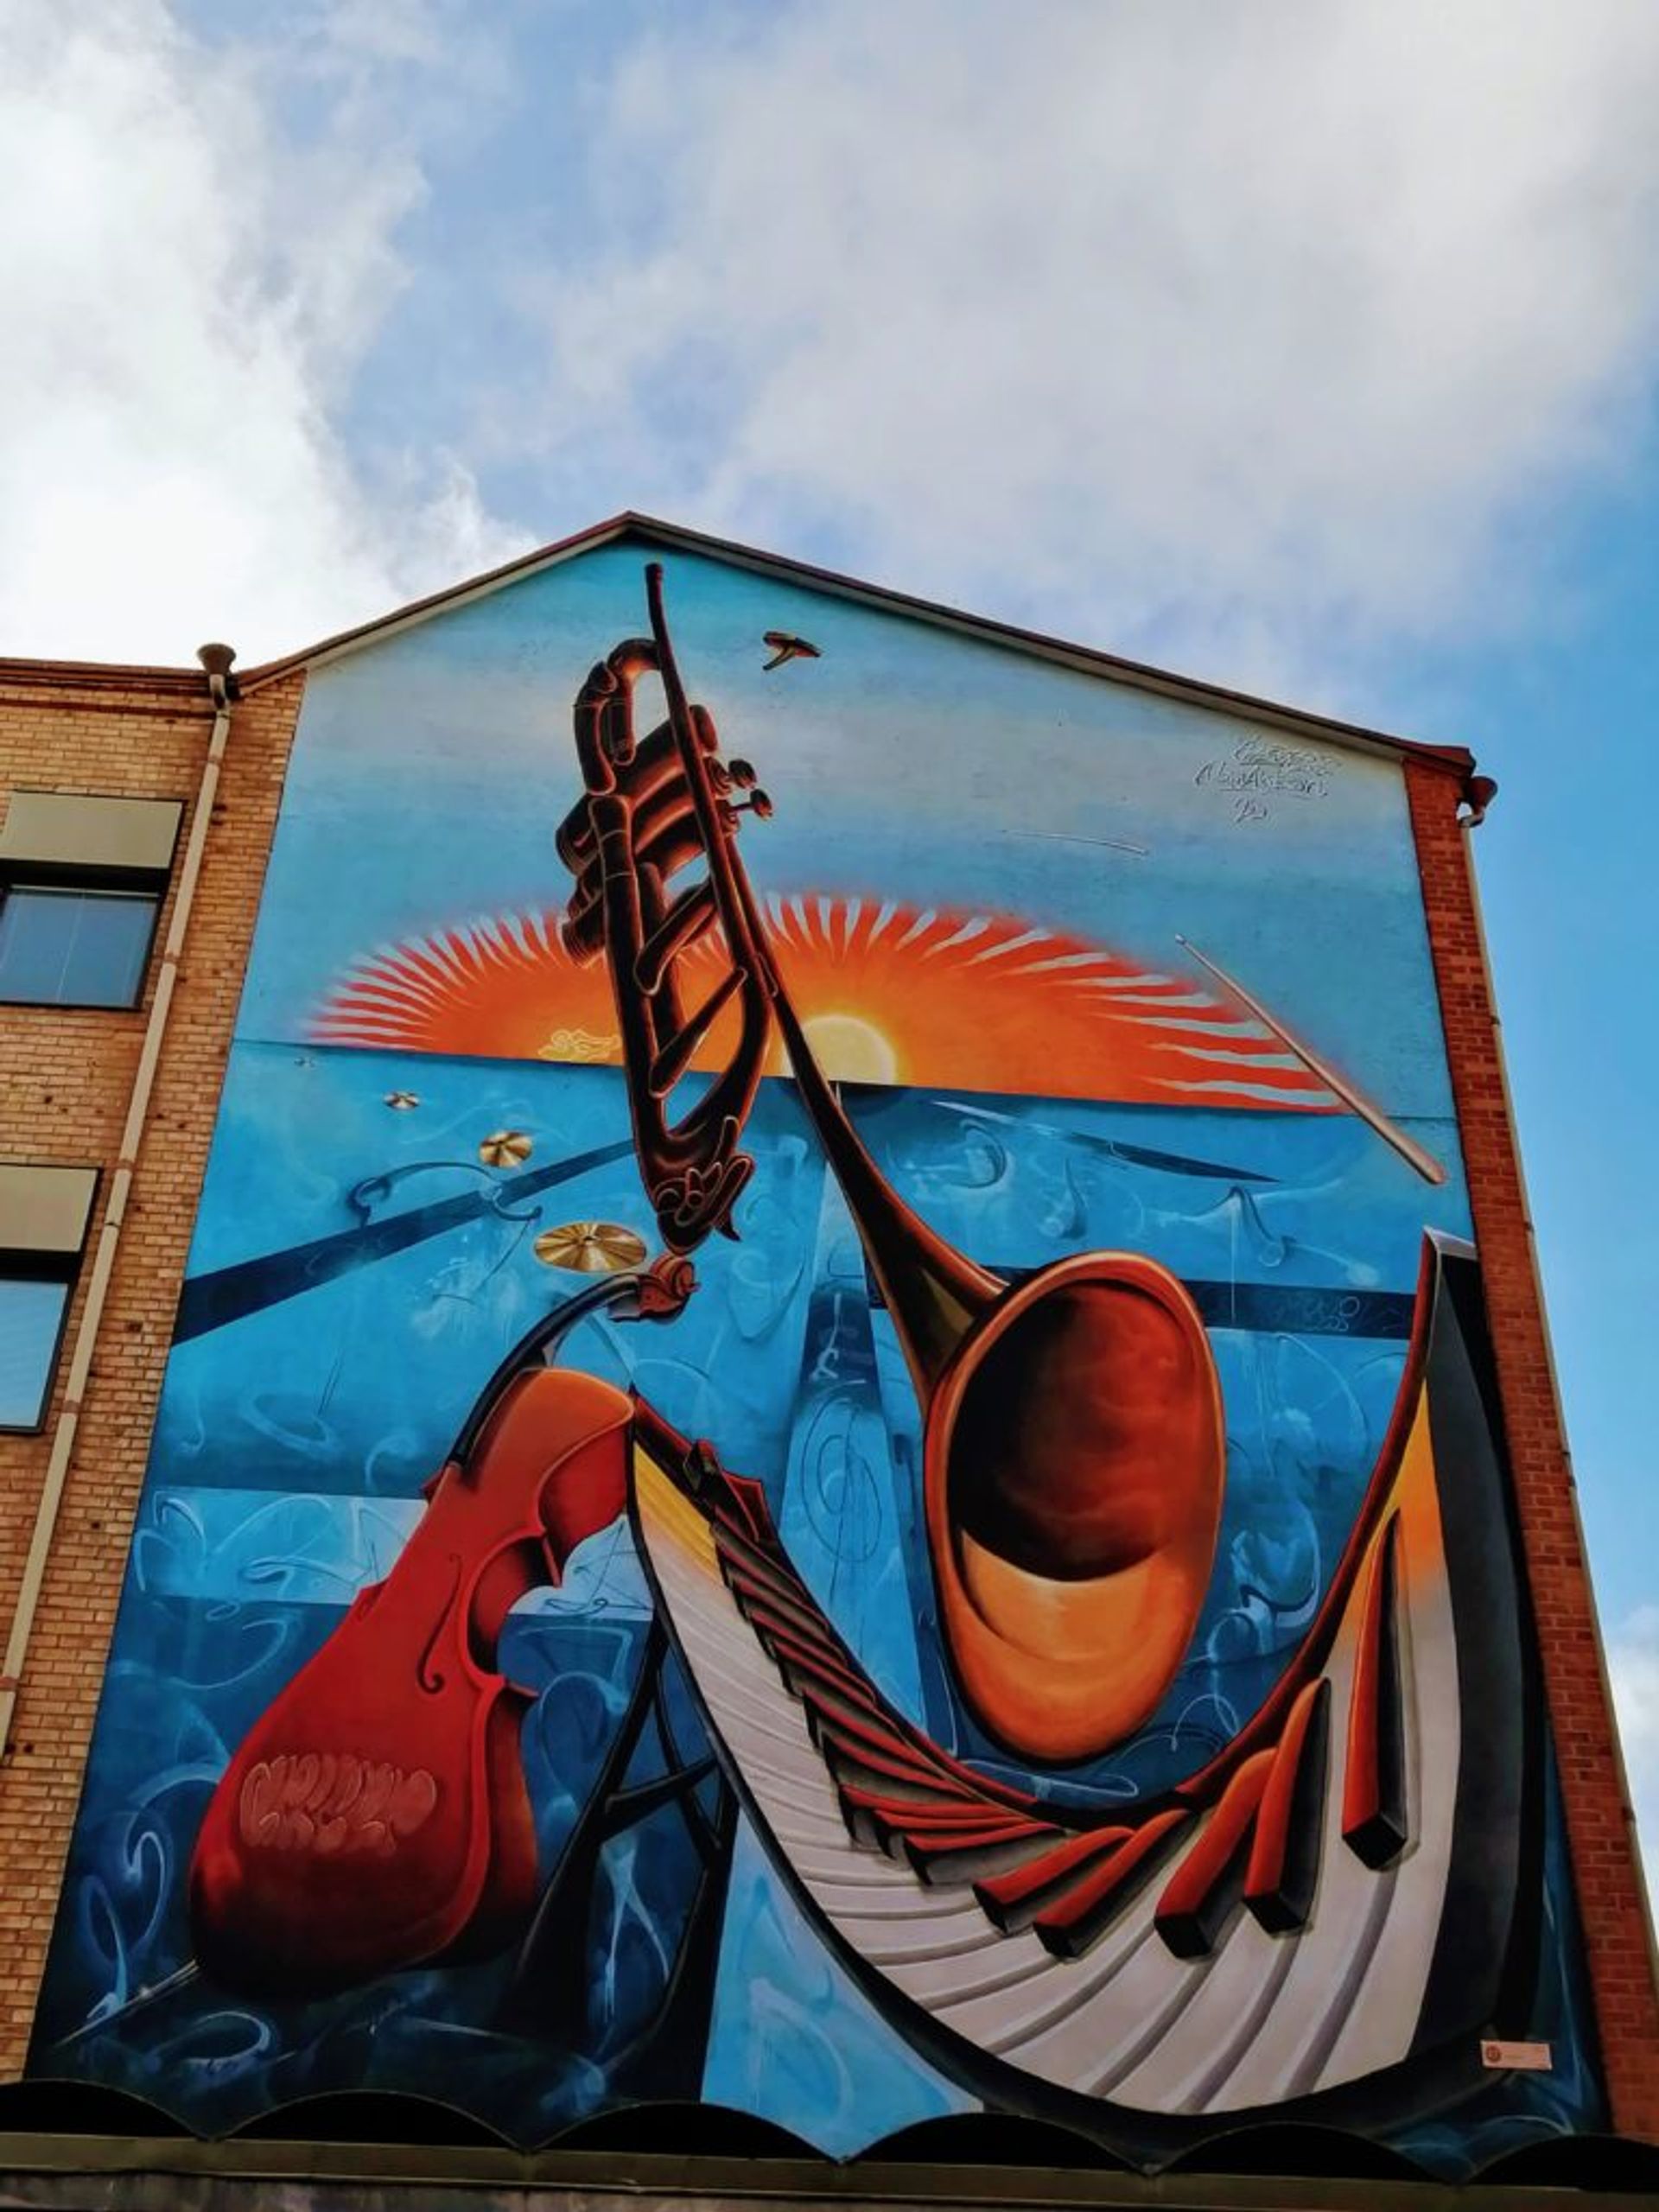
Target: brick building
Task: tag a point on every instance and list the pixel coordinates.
(293, 919)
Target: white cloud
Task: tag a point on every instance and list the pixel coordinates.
(1256, 341)
(1633, 1664)
(1234, 332)
(189, 294)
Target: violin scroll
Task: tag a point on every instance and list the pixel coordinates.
(660, 1291)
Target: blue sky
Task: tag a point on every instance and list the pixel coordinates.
(1311, 347)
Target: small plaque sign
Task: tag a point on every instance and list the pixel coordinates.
(1517, 2057)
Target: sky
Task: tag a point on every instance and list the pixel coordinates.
(1311, 347)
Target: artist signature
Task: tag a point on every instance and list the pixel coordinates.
(1262, 768)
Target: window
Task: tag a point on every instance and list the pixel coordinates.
(44, 1216)
(32, 1308)
(81, 882)
(60, 946)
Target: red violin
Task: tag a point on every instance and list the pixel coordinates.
(375, 1817)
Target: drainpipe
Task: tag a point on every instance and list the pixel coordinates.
(216, 661)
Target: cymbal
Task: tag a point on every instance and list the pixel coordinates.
(505, 1148)
(590, 1248)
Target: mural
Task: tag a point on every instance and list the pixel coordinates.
(830, 1447)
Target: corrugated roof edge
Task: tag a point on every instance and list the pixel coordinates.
(1457, 759)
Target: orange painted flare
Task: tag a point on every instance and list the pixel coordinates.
(889, 994)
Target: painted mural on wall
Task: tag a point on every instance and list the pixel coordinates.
(830, 1447)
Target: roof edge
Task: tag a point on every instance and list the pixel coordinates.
(99, 674)
(1454, 760)
(418, 610)
(1065, 652)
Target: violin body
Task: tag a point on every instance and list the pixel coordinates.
(375, 1817)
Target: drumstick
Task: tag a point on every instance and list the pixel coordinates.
(1409, 1150)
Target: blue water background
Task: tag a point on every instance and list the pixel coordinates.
(291, 1445)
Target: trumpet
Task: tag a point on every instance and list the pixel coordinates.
(1073, 1442)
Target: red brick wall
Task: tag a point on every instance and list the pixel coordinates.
(67, 1076)
(1599, 1824)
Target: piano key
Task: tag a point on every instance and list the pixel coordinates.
(1014, 1900)
(1283, 1869)
(1082, 1913)
(1373, 1791)
(1207, 1887)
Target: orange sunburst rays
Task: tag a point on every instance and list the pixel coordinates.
(886, 992)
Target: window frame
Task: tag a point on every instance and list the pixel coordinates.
(91, 881)
(44, 1236)
(16, 1266)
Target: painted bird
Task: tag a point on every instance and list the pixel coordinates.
(786, 647)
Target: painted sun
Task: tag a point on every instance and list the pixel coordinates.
(887, 993)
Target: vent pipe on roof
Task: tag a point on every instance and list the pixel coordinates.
(216, 659)
(1479, 792)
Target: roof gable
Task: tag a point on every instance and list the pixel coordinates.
(651, 531)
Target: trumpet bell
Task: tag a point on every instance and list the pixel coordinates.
(1074, 1462)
